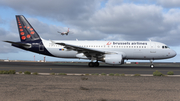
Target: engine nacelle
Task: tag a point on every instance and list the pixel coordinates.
(115, 59)
(81, 56)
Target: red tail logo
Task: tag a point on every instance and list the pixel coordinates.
(109, 43)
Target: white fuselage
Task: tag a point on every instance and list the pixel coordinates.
(143, 50)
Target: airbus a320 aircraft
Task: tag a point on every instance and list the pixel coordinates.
(64, 33)
(110, 52)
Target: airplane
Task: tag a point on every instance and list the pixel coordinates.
(64, 33)
(110, 52)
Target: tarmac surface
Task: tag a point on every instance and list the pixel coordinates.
(23, 87)
(88, 88)
(80, 68)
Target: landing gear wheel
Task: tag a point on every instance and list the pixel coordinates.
(96, 64)
(152, 66)
(91, 64)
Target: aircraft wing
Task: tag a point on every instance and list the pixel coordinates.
(87, 51)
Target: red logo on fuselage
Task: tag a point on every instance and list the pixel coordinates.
(109, 43)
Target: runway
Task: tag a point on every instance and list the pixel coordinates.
(56, 67)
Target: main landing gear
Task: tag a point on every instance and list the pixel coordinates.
(93, 64)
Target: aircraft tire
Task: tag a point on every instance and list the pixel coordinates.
(152, 66)
(96, 64)
(91, 64)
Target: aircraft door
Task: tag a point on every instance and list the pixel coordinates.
(153, 47)
(41, 47)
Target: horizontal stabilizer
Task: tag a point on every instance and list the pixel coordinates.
(20, 44)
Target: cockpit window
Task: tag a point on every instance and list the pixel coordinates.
(165, 47)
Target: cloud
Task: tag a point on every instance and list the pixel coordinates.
(58, 9)
(171, 23)
(111, 3)
(169, 3)
(129, 19)
(92, 20)
(50, 32)
(4, 36)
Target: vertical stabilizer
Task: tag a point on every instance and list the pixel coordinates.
(26, 31)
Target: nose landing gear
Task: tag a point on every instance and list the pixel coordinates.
(152, 65)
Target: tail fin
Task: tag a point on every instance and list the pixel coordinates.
(26, 31)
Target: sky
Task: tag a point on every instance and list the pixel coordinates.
(118, 20)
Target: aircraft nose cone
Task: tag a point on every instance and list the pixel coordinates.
(173, 53)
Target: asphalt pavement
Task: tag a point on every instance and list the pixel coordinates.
(58, 67)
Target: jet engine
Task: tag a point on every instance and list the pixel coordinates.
(115, 59)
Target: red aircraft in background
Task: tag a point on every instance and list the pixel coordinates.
(64, 33)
